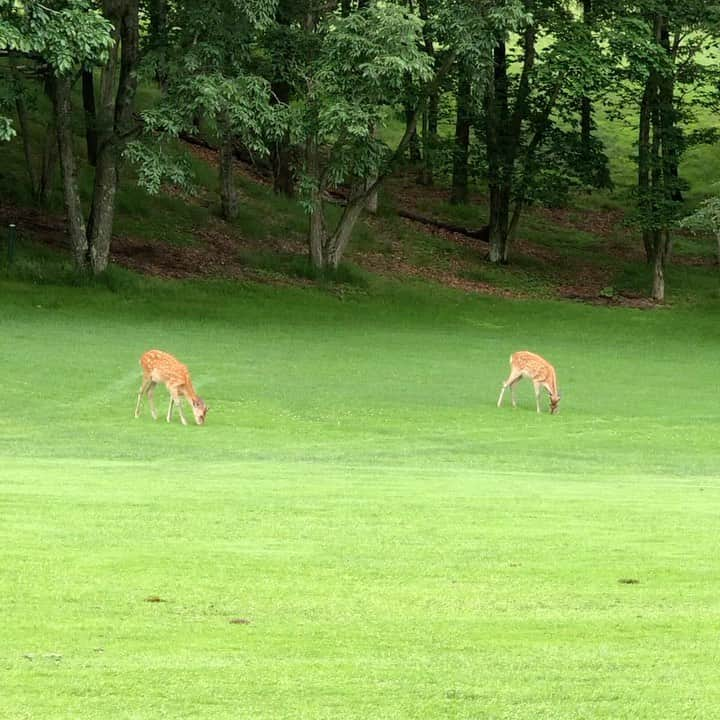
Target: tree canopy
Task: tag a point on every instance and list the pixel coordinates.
(311, 87)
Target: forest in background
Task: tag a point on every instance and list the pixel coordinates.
(520, 102)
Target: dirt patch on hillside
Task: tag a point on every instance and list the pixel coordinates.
(216, 257)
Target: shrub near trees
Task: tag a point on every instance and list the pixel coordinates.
(310, 85)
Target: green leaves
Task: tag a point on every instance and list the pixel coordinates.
(359, 66)
(7, 131)
(157, 164)
(76, 34)
(706, 217)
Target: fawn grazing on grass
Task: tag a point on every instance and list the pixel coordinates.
(540, 371)
(161, 367)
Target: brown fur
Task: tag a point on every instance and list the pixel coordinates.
(527, 364)
(161, 367)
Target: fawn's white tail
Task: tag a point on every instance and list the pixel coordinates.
(540, 371)
(161, 367)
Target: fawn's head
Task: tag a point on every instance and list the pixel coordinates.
(199, 409)
(554, 402)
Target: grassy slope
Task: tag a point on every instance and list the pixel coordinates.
(400, 547)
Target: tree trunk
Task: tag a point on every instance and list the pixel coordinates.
(61, 91)
(664, 162)
(24, 124)
(658, 285)
(515, 220)
(459, 192)
(671, 135)
(317, 235)
(644, 193)
(586, 122)
(91, 243)
(425, 176)
(414, 142)
(228, 192)
(118, 86)
(338, 241)
(102, 213)
(504, 140)
(49, 152)
(88, 96)
(158, 37)
(371, 204)
(497, 126)
(370, 184)
(431, 142)
(499, 220)
(47, 167)
(430, 115)
(283, 179)
(102, 208)
(661, 239)
(281, 155)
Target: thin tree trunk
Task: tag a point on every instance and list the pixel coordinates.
(659, 260)
(61, 91)
(644, 200)
(371, 204)
(88, 96)
(431, 143)
(497, 125)
(228, 192)
(425, 175)
(665, 161)
(102, 213)
(318, 237)
(280, 157)
(26, 143)
(514, 221)
(656, 174)
(47, 167)
(158, 37)
(49, 154)
(671, 135)
(316, 231)
(339, 240)
(430, 115)
(586, 122)
(118, 85)
(24, 123)
(499, 217)
(283, 180)
(414, 142)
(370, 184)
(504, 138)
(459, 192)
(527, 162)
(100, 220)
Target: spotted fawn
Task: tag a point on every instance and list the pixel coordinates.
(540, 371)
(161, 367)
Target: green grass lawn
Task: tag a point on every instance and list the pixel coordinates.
(399, 547)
